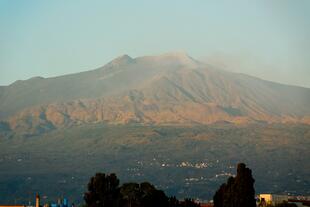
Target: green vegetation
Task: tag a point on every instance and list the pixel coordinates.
(61, 162)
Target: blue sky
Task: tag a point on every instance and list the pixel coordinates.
(264, 38)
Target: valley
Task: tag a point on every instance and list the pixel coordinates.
(187, 161)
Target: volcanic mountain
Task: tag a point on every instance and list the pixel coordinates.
(169, 119)
(169, 89)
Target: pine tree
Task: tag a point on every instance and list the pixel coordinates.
(238, 191)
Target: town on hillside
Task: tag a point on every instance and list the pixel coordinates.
(103, 190)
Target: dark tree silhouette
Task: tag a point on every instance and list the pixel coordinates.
(152, 197)
(102, 191)
(244, 192)
(218, 198)
(173, 201)
(238, 191)
(144, 195)
(130, 195)
(189, 203)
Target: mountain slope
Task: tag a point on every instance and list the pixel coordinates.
(168, 89)
(168, 119)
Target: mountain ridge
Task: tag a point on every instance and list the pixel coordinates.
(172, 88)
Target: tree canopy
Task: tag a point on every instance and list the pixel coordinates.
(104, 190)
(238, 191)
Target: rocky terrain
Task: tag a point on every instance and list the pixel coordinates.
(169, 89)
(169, 119)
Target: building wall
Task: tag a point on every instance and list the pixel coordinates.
(273, 199)
(279, 198)
(267, 197)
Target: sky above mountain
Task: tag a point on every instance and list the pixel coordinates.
(268, 39)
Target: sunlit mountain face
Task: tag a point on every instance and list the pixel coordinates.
(168, 89)
(169, 119)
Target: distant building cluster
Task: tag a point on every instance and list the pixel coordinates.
(273, 199)
(263, 200)
(60, 203)
(195, 165)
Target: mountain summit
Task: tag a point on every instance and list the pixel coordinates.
(124, 59)
(172, 88)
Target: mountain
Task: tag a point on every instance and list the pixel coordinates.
(172, 88)
(169, 119)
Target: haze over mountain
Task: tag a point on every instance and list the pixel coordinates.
(172, 88)
(170, 119)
